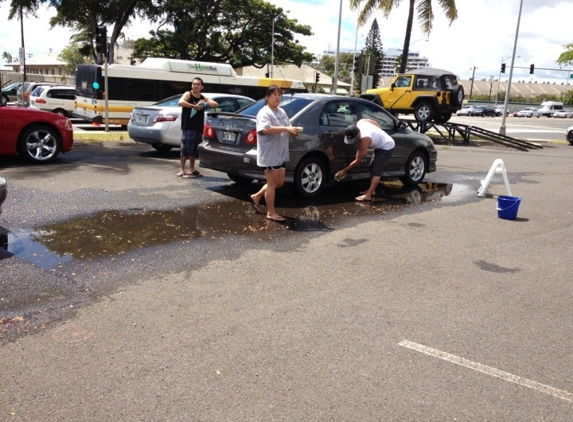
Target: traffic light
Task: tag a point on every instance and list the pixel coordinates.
(101, 40)
(317, 77)
(531, 68)
(358, 64)
(503, 68)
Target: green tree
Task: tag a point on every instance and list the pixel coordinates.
(566, 58)
(72, 56)
(345, 60)
(238, 32)
(373, 55)
(425, 15)
(7, 57)
(85, 19)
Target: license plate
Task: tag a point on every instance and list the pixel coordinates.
(141, 118)
(229, 137)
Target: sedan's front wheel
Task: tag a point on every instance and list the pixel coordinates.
(40, 144)
(310, 177)
(415, 169)
(570, 137)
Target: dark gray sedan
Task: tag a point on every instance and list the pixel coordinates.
(230, 143)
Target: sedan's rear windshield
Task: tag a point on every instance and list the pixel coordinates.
(291, 105)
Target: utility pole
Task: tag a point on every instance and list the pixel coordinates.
(473, 77)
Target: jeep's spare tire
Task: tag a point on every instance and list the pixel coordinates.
(457, 98)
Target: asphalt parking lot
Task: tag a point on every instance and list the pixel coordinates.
(437, 311)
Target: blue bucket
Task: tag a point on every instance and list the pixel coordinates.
(507, 207)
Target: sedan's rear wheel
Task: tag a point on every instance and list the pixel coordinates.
(310, 177)
(415, 169)
(424, 112)
(3, 99)
(40, 144)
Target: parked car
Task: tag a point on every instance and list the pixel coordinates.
(315, 155)
(563, 114)
(160, 124)
(10, 93)
(3, 192)
(465, 110)
(482, 111)
(23, 93)
(569, 135)
(37, 135)
(58, 99)
(500, 109)
(528, 112)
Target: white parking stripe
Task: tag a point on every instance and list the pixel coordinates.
(560, 394)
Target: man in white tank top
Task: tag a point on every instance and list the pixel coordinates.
(368, 133)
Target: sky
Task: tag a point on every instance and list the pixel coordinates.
(476, 43)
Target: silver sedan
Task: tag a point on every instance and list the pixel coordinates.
(160, 124)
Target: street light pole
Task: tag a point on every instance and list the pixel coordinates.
(505, 103)
(273, 43)
(335, 78)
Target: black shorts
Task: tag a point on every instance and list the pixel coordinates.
(282, 166)
(379, 160)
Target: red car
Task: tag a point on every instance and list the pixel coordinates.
(37, 135)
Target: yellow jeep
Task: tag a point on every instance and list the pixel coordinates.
(430, 94)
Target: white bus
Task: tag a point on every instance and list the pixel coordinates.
(156, 79)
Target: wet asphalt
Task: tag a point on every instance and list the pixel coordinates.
(421, 306)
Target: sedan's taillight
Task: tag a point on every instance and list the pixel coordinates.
(165, 118)
(251, 137)
(208, 131)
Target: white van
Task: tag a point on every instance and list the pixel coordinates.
(60, 99)
(549, 107)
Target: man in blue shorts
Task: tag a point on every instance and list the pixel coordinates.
(193, 105)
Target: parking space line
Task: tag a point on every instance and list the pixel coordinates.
(560, 394)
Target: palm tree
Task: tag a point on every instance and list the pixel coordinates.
(425, 16)
(7, 57)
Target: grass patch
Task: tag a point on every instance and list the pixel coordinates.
(100, 136)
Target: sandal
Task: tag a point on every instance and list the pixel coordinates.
(278, 219)
(364, 198)
(181, 174)
(256, 206)
(196, 173)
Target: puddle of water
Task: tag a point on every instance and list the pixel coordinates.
(111, 233)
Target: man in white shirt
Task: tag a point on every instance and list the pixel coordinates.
(368, 133)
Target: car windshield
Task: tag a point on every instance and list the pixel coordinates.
(291, 105)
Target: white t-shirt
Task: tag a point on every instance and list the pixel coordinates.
(380, 139)
(272, 150)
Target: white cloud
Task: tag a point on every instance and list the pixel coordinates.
(483, 34)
